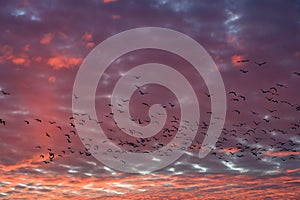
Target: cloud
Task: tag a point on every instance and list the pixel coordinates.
(116, 16)
(109, 1)
(90, 45)
(52, 79)
(59, 62)
(87, 36)
(19, 61)
(47, 38)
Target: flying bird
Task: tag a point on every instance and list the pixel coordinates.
(260, 64)
(2, 122)
(242, 61)
(38, 120)
(296, 73)
(244, 71)
(232, 92)
(5, 93)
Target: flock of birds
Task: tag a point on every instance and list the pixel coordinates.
(238, 140)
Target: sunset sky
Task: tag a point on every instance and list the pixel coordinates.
(255, 45)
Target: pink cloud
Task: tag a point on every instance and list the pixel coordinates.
(108, 1)
(47, 38)
(87, 36)
(52, 79)
(116, 16)
(59, 62)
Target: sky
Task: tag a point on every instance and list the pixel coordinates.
(255, 45)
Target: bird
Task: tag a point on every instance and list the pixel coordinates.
(124, 100)
(5, 93)
(38, 120)
(243, 97)
(244, 71)
(271, 111)
(146, 104)
(264, 91)
(67, 135)
(142, 93)
(72, 131)
(296, 73)
(206, 94)
(237, 111)
(51, 156)
(172, 105)
(273, 88)
(75, 96)
(281, 85)
(256, 123)
(232, 92)
(2, 122)
(242, 61)
(47, 134)
(26, 121)
(260, 64)
(50, 122)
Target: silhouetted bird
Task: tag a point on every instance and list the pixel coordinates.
(260, 64)
(5, 93)
(2, 122)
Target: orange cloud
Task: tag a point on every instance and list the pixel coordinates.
(90, 44)
(108, 1)
(281, 154)
(235, 59)
(87, 36)
(59, 62)
(116, 16)
(19, 61)
(47, 38)
(292, 170)
(26, 47)
(52, 79)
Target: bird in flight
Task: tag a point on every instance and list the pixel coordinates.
(242, 61)
(38, 120)
(75, 96)
(297, 73)
(244, 71)
(5, 93)
(2, 122)
(260, 64)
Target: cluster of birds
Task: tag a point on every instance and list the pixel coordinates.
(237, 140)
